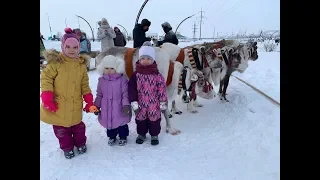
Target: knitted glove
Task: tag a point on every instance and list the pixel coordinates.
(88, 98)
(47, 98)
(163, 106)
(126, 109)
(135, 107)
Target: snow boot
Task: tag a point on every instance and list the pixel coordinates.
(154, 140)
(140, 139)
(112, 141)
(69, 154)
(82, 149)
(123, 141)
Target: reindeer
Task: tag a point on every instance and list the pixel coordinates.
(234, 58)
(195, 76)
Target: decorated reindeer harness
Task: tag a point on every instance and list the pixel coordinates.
(197, 77)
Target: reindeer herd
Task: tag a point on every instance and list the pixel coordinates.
(192, 70)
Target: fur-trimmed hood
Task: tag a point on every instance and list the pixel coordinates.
(53, 55)
(111, 61)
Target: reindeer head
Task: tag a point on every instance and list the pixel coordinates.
(212, 55)
(241, 56)
(253, 50)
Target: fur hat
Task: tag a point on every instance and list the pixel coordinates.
(104, 20)
(111, 62)
(147, 51)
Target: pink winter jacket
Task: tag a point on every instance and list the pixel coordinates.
(148, 89)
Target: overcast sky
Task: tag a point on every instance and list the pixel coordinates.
(226, 16)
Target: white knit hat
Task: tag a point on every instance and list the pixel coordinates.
(147, 51)
(111, 62)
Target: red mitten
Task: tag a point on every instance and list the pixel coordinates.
(47, 98)
(88, 98)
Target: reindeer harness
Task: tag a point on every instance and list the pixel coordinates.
(197, 75)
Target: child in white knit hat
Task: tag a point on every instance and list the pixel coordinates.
(112, 99)
(147, 95)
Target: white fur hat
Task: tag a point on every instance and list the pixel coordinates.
(111, 62)
(147, 51)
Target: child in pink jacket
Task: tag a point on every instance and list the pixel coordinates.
(147, 95)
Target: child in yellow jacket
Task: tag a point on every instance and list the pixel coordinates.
(64, 86)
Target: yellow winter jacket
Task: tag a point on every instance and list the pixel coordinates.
(68, 79)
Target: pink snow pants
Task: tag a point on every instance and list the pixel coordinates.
(71, 136)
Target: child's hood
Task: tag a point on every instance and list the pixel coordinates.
(111, 61)
(53, 56)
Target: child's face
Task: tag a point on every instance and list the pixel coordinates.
(145, 61)
(109, 71)
(71, 51)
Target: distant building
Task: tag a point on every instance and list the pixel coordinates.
(179, 36)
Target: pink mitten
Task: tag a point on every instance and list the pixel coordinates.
(47, 98)
(88, 98)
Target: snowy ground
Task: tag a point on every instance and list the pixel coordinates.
(239, 140)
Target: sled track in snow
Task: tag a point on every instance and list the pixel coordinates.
(258, 91)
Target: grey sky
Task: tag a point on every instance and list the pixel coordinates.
(226, 15)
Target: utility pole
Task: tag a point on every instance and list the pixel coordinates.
(78, 23)
(194, 28)
(201, 17)
(49, 24)
(214, 32)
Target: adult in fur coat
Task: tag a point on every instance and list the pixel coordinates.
(105, 35)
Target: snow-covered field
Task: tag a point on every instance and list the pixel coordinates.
(239, 140)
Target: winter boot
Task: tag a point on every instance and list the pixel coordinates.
(82, 149)
(154, 140)
(140, 139)
(69, 154)
(122, 141)
(112, 141)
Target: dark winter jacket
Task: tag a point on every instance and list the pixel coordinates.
(120, 40)
(139, 35)
(170, 36)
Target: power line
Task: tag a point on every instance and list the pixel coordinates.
(232, 8)
(235, 6)
(219, 8)
(209, 5)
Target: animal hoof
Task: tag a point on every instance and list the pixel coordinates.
(179, 112)
(170, 115)
(194, 111)
(199, 105)
(174, 132)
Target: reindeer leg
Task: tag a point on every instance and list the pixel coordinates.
(169, 128)
(190, 107)
(196, 103)
(174, 108)
(220, 88)
(225, 86)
